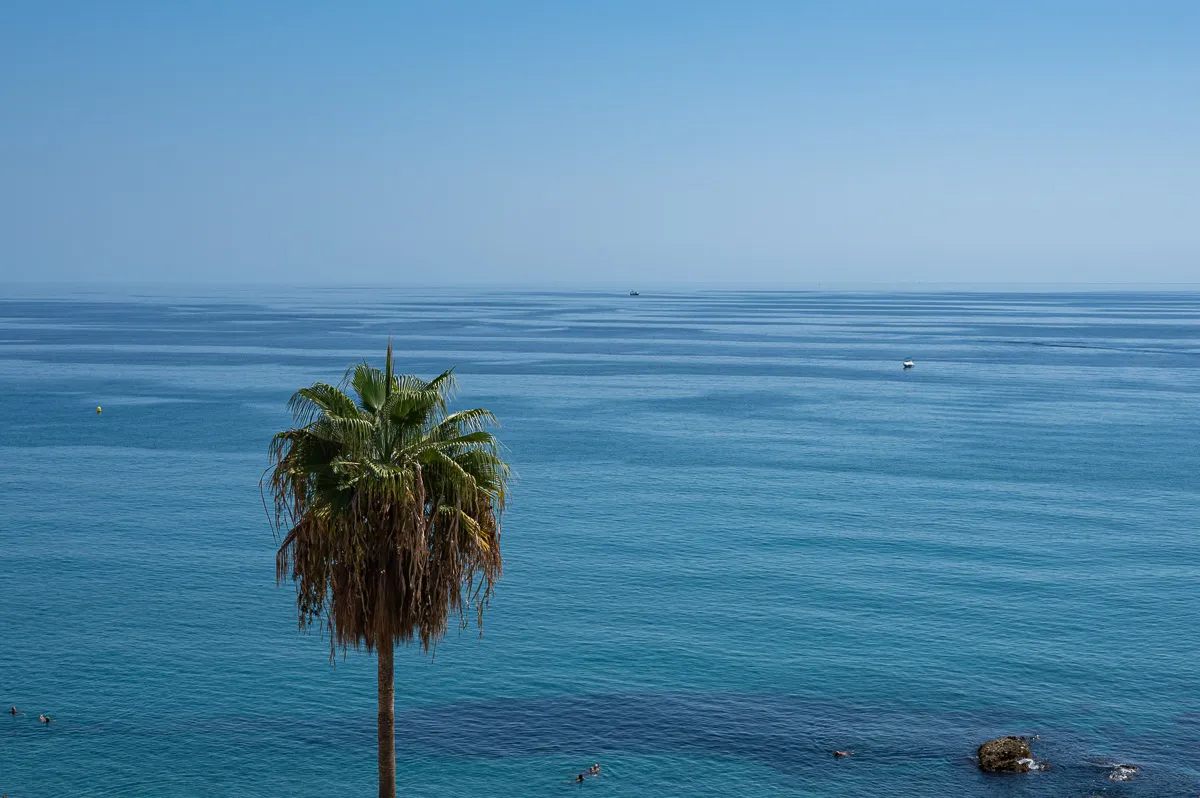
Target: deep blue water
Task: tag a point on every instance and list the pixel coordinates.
(742, 537)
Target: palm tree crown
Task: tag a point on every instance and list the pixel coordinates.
(388, 508)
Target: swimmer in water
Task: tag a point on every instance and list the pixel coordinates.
(14, 711)
(579, 779)
(595, 769)
(44, 718)
(841, 754)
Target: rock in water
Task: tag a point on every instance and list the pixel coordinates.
(1005, 755)
(1123, 772)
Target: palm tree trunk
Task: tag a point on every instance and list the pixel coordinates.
(387, 720)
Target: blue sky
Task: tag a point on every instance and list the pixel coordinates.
(600, 144)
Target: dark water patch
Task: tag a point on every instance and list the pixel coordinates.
(791, 734)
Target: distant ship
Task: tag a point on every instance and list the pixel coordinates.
(908, 364)
(634, 293)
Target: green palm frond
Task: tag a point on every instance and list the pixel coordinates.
(308, 403)
(371, 387)
(444, 384)
(468, 420)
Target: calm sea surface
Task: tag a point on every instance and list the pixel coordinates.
(742, 537)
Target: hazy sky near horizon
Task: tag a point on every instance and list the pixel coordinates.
(587, 143)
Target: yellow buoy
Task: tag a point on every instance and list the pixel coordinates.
(97, 410)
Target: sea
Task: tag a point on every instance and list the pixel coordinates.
(741, 537)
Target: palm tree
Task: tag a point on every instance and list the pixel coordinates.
(387, 509)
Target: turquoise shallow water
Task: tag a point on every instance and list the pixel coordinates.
(742, 537)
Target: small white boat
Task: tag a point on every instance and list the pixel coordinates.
(908, 364)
